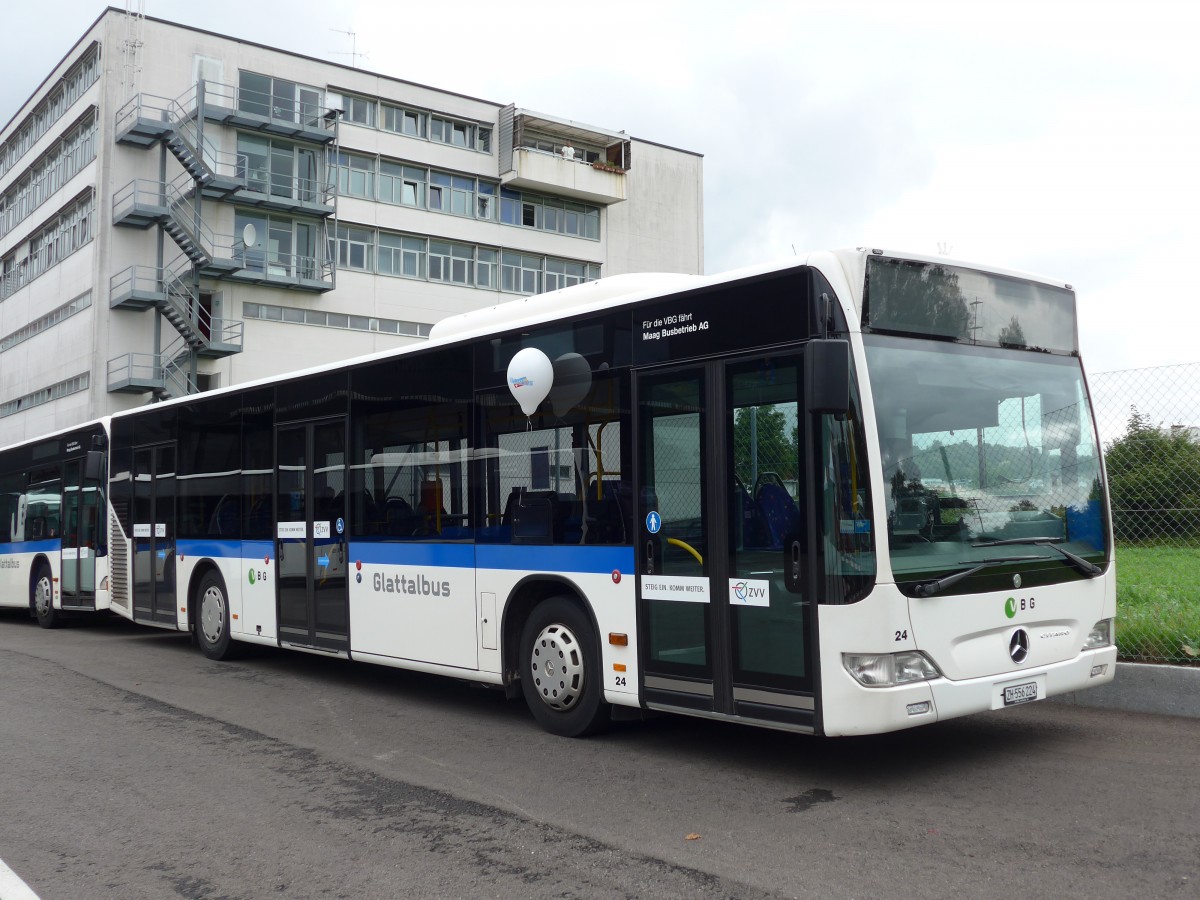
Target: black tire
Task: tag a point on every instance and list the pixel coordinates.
(560, 669)
(41, 598)
(211, 604)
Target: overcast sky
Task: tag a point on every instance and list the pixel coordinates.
(1060, 138)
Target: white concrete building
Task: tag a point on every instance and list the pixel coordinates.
(180, 210)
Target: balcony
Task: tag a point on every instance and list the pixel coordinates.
(290, 194)
(136, 288)
(543, 153)
(537, 170)
(300, 118)
(285, 270)
(143, 203)
(144, 120)
(134, 373)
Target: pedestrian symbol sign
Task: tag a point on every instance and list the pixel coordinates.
(653, 522)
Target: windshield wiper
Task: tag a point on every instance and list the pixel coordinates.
(1077, 562)
(929, 588)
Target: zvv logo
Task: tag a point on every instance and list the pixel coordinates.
(745, 592)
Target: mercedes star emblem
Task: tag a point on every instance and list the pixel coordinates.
(1018, 645)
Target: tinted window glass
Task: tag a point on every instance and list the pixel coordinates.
(410, 453)
(934, 300)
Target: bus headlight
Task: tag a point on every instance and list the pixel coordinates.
(1099, 636)
(889, 669)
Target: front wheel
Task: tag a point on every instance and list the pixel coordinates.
(560, 669)
(42, 599)
(212, 618)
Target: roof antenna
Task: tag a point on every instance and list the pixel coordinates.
(353, 51)
(794, 253)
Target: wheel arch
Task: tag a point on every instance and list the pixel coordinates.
(199, 571)
(521, 602)
(39, 561)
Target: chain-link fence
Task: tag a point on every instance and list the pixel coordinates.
(1149, 423)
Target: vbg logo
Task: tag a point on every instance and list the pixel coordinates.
(1012, 605)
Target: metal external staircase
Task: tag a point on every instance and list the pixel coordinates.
(176, 208)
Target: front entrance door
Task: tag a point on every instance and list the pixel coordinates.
(311, 535)
(723, 546)
(80, 530)
(154, 534)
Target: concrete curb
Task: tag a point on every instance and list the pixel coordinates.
(1138, 687)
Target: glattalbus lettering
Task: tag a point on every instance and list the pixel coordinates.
(420, 586)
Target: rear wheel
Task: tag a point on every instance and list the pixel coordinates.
(560, 669)
(212, 618)
(42, 599)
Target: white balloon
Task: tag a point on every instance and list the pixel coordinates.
(572, 381)
(530, 377)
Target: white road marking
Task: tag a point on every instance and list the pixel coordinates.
(12, 887)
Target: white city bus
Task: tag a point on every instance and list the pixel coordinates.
(851, 493)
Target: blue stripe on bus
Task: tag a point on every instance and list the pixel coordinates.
(215, 548)
(524, 557)
(53, 545)
(455, 556)
(561, 558)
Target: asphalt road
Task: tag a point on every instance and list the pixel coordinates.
(134, 767)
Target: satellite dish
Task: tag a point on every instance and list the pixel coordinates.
(249, 235)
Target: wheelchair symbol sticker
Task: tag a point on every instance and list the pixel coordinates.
(653, 522)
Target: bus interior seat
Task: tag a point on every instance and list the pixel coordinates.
(531, 515)
(400, 517)
(606, 515)
(779, 513)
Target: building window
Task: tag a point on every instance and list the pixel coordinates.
(401, 184)
(49, 320)
(358, 110)
(355, 248)
(562, 273)
(404, 121)
(450, 131)
(549, 214)
(51, 171)
(400, 255)
(275, 98)
(50, 245)
(485, 268)
(322, 319)
(356, 176)
(485, 202)
(451, 263)
(520, 273)
(45, 395)
(78, 79)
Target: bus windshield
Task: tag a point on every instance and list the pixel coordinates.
(988, 454)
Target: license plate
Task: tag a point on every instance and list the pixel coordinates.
(1020, 693)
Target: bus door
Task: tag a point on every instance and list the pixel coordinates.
(725, 607)
(311, 535)
(154, 534)
(80, 537)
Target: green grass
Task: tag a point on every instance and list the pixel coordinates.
(1158, 604)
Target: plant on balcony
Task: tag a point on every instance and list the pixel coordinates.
(608, 167)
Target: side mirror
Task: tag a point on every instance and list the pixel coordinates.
(93, 466)
(827, 376)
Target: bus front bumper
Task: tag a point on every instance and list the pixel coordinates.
(1091, 668)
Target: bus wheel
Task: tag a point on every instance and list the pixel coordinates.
(560, 669)
(212, 618)
(42, 599)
